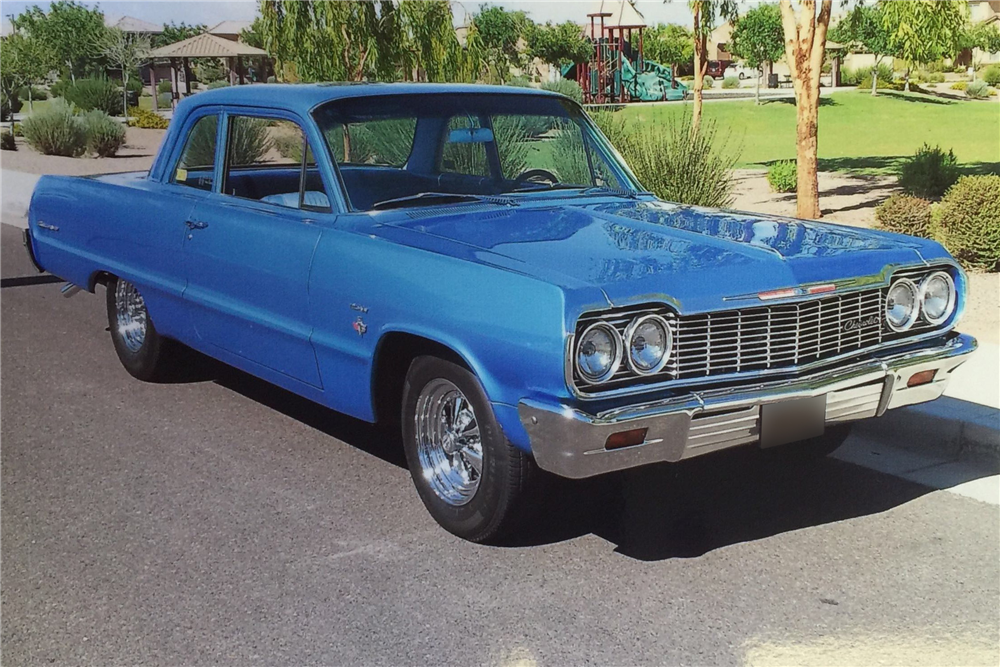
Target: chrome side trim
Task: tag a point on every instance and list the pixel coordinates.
(568, 441)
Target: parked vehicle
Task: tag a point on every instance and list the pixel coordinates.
(743, 72)
(717, 67)
(476, 269)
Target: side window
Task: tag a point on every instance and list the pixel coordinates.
(269, 160)
(464, 149)
(196, 168)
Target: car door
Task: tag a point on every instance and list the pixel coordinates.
(249, 246)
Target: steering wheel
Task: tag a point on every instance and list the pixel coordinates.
(540, 176)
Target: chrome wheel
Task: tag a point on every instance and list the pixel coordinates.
(449, 446)
(131, 315)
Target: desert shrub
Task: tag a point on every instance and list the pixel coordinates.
(783, 176)
(960, 85)
(58, 89)
(977, 90)
(991, 75)
(218, 84)
(164, 86)
(18, 132)
(519, 82)
(87, 94)
(7, 142)
(851, 77)
(36, 93)
(672, 163)
(164, 100)
(708, 82)
(883, 73)
(272, 79)
(935, 77)
(249, 141)
(905, 214)
(146, 119)
(567, 87)
(970, 221)
(960, 69)
(104, 134)
(936, 66)
(56, 131)
(289, 145)
(731, 82)
(929, 173)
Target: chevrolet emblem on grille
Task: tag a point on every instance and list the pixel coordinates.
(860, 323)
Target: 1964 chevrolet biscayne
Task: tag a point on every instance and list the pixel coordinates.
(478, 268)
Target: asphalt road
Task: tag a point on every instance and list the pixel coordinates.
(219, 520)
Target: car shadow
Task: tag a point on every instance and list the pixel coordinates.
(662, 511)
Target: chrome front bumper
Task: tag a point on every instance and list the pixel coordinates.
(570, 442)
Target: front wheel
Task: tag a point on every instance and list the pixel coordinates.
(470, 478)
(142, 351)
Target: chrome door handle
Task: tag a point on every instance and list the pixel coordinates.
(195, 224)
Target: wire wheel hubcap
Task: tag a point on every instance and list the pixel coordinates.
(131, 314)
(449, 446)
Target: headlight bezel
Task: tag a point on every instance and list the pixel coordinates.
(617, 358)
(668, 348)
(915, 312)
(952, 298)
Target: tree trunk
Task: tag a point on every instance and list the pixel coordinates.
(906, 79)
(31, 106)
(760, 75)
(700, 67)
(805, 46)
(125, 94)
(875, 79)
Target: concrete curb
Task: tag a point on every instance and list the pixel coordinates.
(947, 427)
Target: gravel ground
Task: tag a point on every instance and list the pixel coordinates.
(136, 155)
(982, 311)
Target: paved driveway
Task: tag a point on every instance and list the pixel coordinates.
(223, 521)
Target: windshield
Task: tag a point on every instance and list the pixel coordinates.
(416, 150)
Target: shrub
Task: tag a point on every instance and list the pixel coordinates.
(567, 87)
(783, 176)
(209, 69)
(36, 93)
(960, 69)
(883, 73)
(929, 173)
(977, 90)
(851, 77)
(670, 162)
(7, 142)
(87, 94)
(960, 85)
(58, 89)
(731, 82)
(56, 131)
(164, 86)
(970, 221)
(905, 214)
(218, 84)
(104, 134)
(146, 119)
(935, 77)
(708, 82)
(271, 79)
(991, 75)
(17, 130)
(289, 146)
(935, 67)
(164, 100)
(8, 106)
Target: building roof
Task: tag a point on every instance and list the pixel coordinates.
(229, 27)
(132, 24)
(206, 46)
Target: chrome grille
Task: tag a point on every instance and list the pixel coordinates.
(749, 340)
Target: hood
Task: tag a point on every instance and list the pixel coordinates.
(641, 251)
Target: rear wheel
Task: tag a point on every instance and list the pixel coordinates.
(471, 480)
(142, 351)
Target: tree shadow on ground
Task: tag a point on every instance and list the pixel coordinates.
(923, 97)
(823, 101)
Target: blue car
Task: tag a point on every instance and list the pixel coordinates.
(477, 269)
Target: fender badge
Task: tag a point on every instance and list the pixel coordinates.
(360, 326)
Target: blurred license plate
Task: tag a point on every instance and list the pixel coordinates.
(791, 421)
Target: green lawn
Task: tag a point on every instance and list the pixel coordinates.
(857, 133)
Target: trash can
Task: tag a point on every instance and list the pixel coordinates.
(772, 80)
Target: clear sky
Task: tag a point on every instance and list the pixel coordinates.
(210, 13)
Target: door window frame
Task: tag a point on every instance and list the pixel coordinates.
(177, 152)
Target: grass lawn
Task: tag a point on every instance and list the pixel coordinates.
(858, 133)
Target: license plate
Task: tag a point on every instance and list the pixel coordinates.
(790, 421)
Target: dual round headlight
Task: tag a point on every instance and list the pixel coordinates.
(646, 347)
(934, 300)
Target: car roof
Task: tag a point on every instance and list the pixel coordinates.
(302, 98)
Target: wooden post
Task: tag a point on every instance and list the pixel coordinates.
(152, 82)
(187, 76)
(175, 85)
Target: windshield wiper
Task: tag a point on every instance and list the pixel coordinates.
(614, 192)
(433, 198)
(545, 187)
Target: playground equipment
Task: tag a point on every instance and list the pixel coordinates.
(617, 72)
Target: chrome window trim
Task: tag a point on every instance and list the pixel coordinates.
(880, 280)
